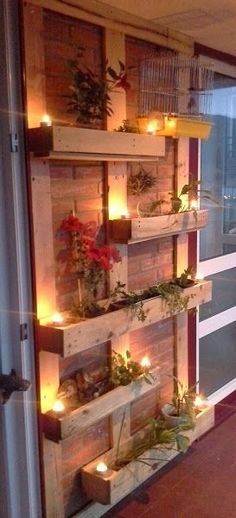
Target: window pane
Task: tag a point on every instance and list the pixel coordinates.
(218, 166)
(217, 359)
(223, 294)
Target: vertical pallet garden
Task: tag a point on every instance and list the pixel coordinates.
(85, 171)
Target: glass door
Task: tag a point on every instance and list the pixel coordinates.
(216, 358)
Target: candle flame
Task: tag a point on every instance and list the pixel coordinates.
(58, 406)
(46, 120)
(145, 362)
(57, 318)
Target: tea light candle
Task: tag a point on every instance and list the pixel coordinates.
(193, 205)
(46, 121)
(125, 215)
(199, 276)
(145, 362)
(102, 468)
(58, 406)
(199, 402)
(57, 319)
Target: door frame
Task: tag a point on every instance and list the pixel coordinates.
(215, 265)
(19, 474)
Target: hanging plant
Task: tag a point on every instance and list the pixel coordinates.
(90, 94)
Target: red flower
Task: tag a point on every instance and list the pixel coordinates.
(71, 224)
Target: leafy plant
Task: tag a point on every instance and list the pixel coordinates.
(125, 370)
(140, 182)
(127, 127)
(90, 93)
(191, 189)
(183, 279)
(171, 293)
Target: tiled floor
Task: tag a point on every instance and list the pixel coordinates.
(200, 484)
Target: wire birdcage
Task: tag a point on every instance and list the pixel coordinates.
(177, 85)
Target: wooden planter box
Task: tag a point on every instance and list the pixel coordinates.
(174, 126)
(113, 486)
(58, 428)
(140, 229)
(75, 338)
(66, 142)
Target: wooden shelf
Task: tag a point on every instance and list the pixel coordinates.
(77, 337)
(58, 428)
(141, 229)
(110, 488)
(71, 143)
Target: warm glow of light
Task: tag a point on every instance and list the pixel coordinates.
(58, 406)
(145, 362)
(151, 128)
(45, 121)
(194, 205)
(199, 276)
(198, 401)
(170, 123)
(117, 210)
(101, 467)
(44, 308)
(57, 319)
(125, 215)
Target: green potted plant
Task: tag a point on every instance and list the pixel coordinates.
(180, 412)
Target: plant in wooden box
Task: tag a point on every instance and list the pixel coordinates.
(182, 410)
(86, 260)
(193, 192)
(90, 98)
(125, 370)
(140, 183)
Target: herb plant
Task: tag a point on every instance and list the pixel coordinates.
(125, 370)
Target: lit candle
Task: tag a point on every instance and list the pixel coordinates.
(124, 215)
(193, 205)
(58, 406)
(145, 362)
(199, 276)
(102, 468)
(151, 128)
(200, 403)
(46, 121)
(57, 319)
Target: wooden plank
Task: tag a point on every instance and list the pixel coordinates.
(59, 428)
(140, 229)
(116, 19)
(62, 141)
(53, 480)
(34, 64)
(74, 338)
(43, 239)
(113, 486)
(49, 379)
(181, 163)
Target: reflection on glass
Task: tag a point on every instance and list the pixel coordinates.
(217, 359)
(223, 294)
(218, 166)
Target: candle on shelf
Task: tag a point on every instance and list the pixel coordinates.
(145, 362)
(194, 205)
(46, 121)
(124, 215)
(199, 276)
(102, 468)
(199, 403)
(57, 319)
(151, 128)
(58, 406)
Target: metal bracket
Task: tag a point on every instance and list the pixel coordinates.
(14, 142)
(23, 331)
